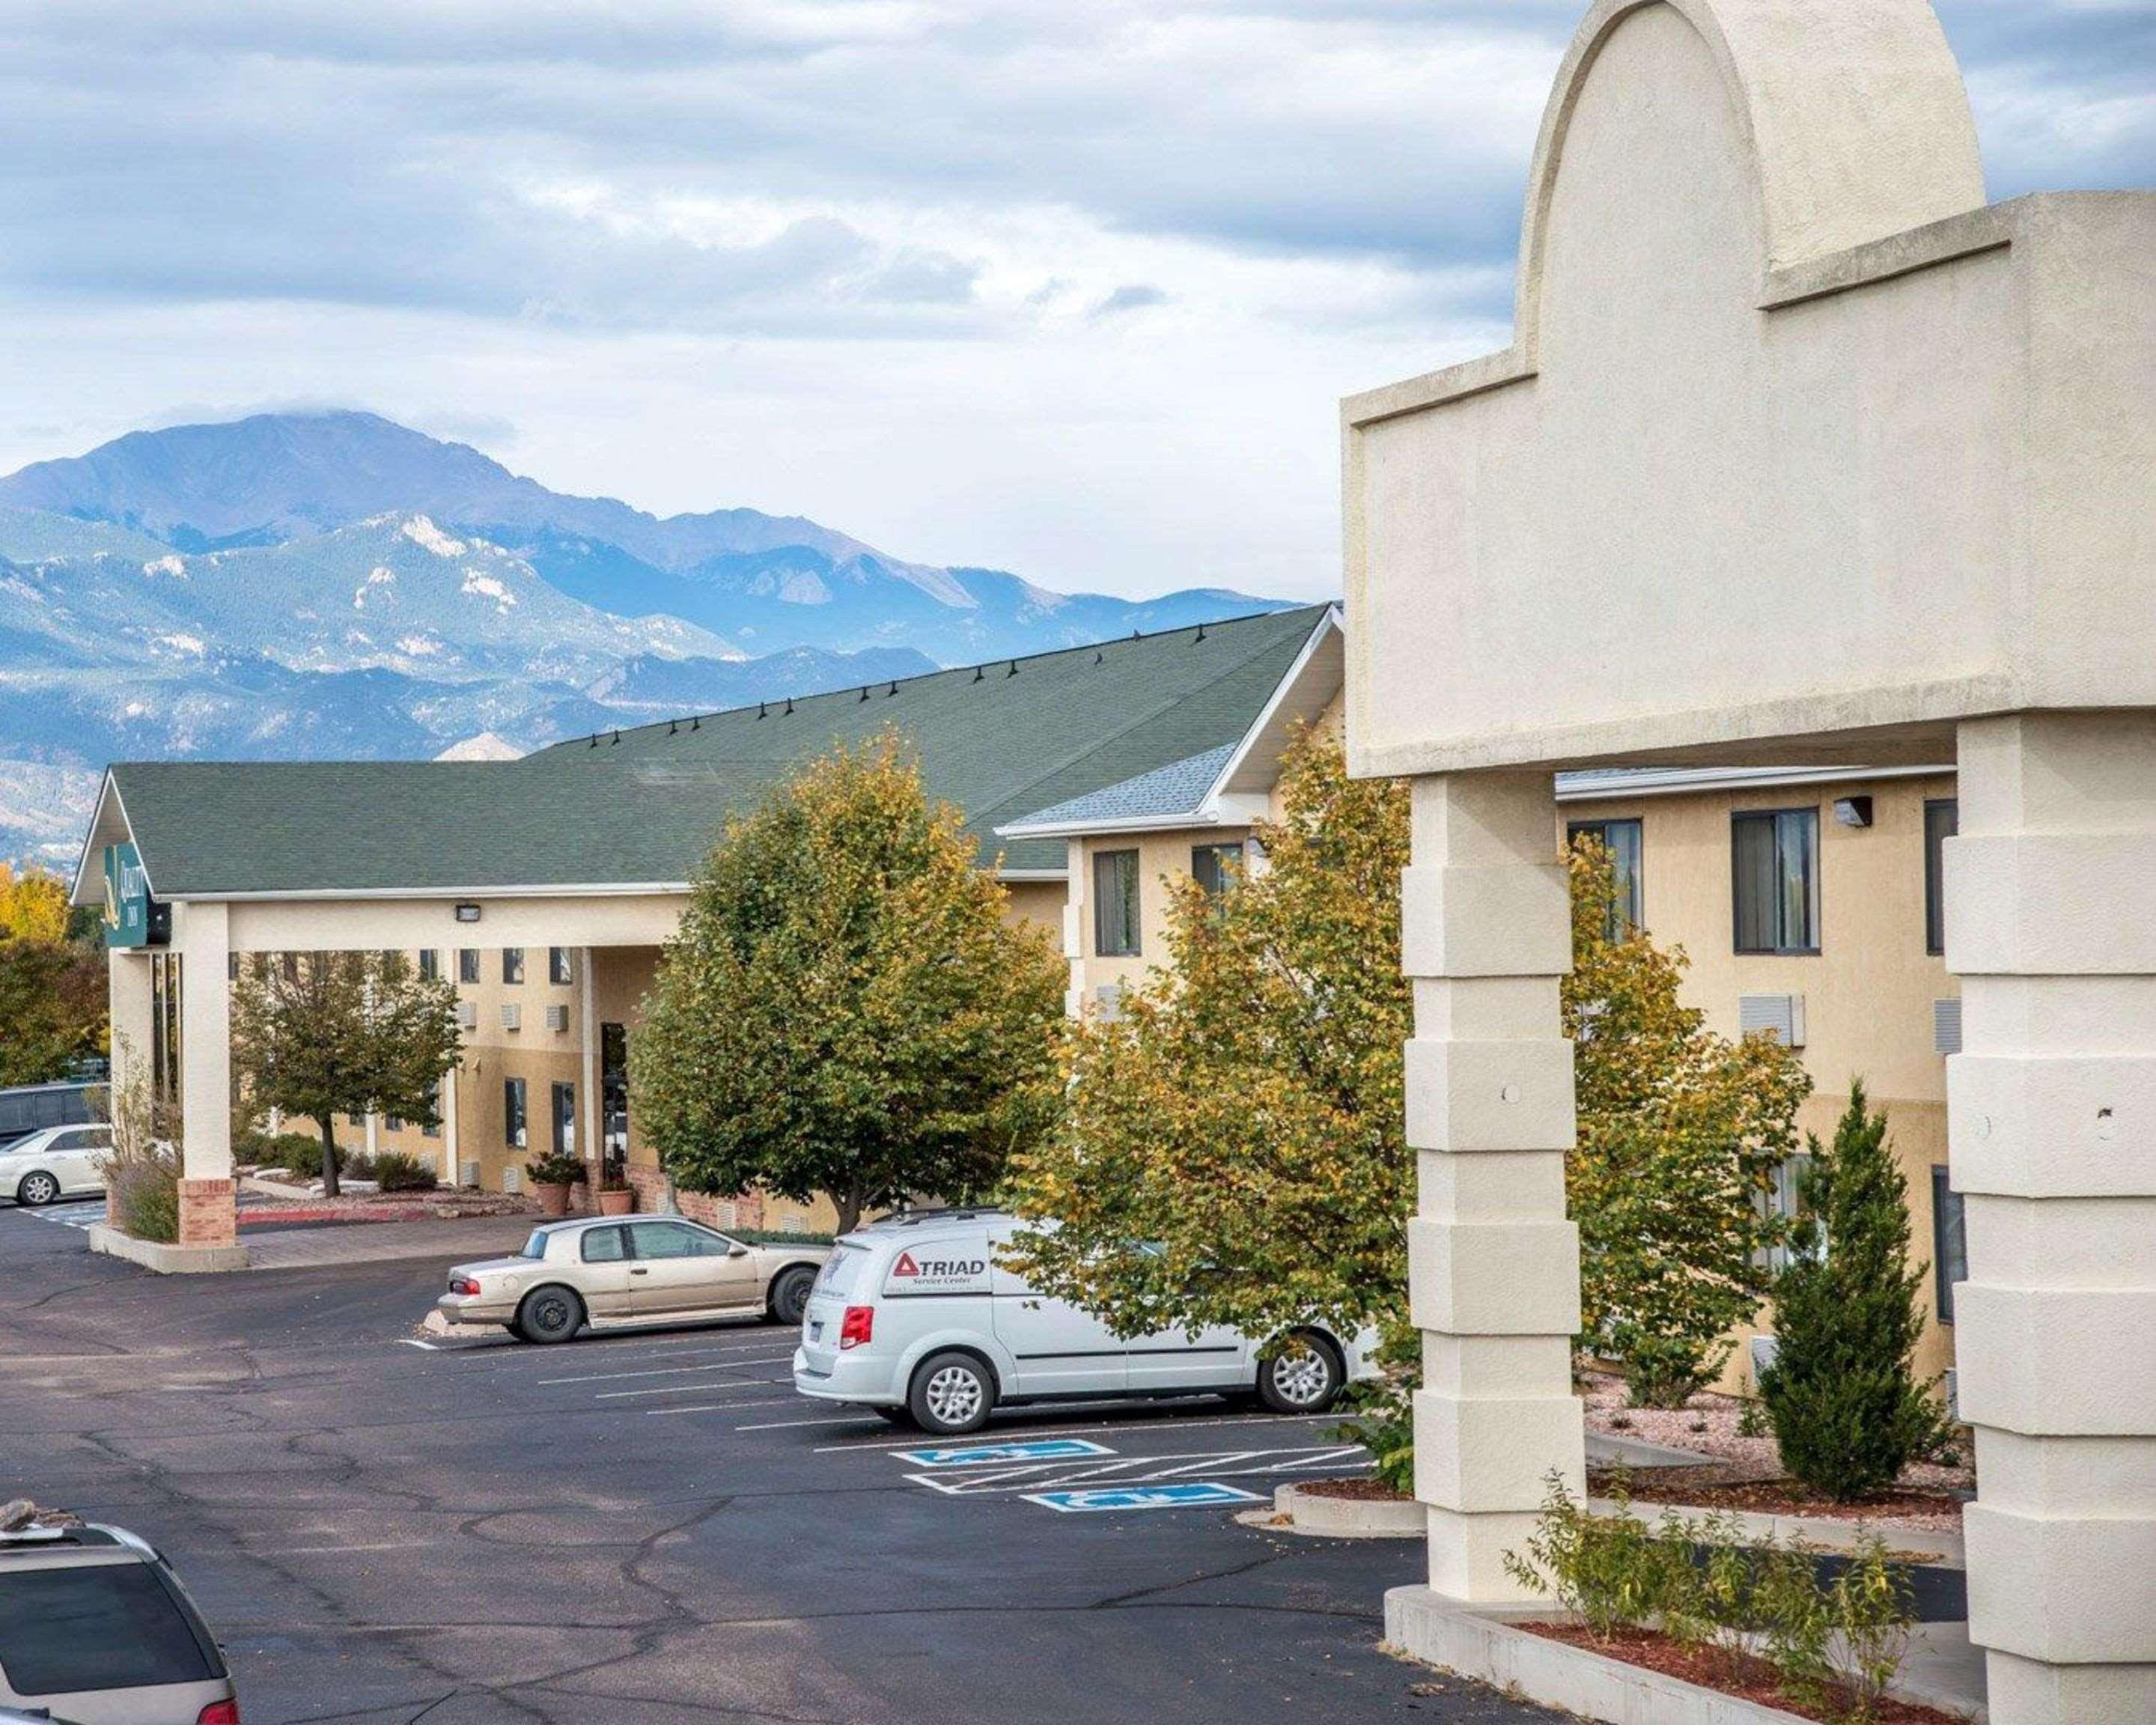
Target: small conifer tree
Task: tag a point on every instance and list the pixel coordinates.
(1842, 1394)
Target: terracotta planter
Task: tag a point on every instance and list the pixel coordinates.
(617, 1203)
(553, 1200)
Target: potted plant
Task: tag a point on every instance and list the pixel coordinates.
(616, 1196)
(552, 1176)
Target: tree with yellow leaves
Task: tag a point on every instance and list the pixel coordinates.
(53, 990)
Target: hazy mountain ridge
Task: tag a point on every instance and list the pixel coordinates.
(296, 586)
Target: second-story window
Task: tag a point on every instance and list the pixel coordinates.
(430, 964)
(1622, 840)
(558, 968)
(1216, 867)
(1115, 904)
(1942, 821)
(512, 964)
(468, 964)
(1774, 865)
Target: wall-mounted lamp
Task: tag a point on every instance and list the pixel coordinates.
(1853, 811)
(467, 913)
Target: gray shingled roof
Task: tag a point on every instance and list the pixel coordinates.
(639, 807)
(1177, 788)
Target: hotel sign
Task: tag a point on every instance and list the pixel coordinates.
(132, 918)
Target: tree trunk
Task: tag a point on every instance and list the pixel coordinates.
(849, 1207)
(329, 1156)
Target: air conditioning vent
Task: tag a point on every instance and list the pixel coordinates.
(512, 1017)
(512, 1179)
(1108, 1002)
(558, 1017)
(468, 1173)
(1946, 1027)
(1782, 1013)
(468, 1015)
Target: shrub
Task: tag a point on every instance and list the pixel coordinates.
(357, 1163)
(1842, 1393)
(555, 1170)
(145, 1194)
(1384, 1408)
(396, 1172)
(298, 1154)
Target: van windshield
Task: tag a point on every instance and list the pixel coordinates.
(841, 1269)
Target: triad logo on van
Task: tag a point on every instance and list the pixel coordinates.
(905, 1265)
(936, 1275)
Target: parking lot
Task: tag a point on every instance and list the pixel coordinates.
(383, 1525)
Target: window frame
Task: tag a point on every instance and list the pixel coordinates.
(468, 964)
(430, 964)
(512, 966)
(1814, 896)
(516, 1113)
(1223, 852)
(1634, 913)
(1136, 920)
(561, 966)
(1935, 871)
(1945, 1200)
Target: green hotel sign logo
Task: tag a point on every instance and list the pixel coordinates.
(128, 911)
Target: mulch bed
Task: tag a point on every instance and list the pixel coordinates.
(1712, 1488)
(1752, 1680)
(1363, 1491)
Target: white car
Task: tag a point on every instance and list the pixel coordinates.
(915, 1318)
(60, 1162)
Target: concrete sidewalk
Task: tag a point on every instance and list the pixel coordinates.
(370, 1242)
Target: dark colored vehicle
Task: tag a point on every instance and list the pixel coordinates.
(95, 1629)
(32, 1107)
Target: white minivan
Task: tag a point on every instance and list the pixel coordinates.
(915, 1318)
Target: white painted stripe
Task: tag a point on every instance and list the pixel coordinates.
(712, 1408)
(1133, 1426)
(664, 1371)
(622, 1395)
(414, 1341)
(787, 1424)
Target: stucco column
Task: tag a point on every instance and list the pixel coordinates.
(202, 936)
(2052, 1136)
(592, 1125)
(1494, 1266)
(1075, 906)
(128, 973)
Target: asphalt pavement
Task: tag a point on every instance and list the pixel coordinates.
(385, 1526)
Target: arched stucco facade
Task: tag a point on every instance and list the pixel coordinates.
(1802, 453)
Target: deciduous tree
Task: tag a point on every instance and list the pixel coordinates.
(1679, 1133)
(1232, 1149)
(54, 1005)
(846, 1007)
(342, 1033)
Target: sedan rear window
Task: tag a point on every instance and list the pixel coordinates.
(98, 1626)
(840, 1270)
(535, 1246)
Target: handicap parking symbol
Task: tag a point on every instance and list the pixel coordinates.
(1196, 1494)
(978, 1455)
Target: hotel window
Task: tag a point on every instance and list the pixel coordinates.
(512, 964)
(1216, 867)
(1622, 840)
(1949, 1243)
(430, 964)
(559, 970)
(1782, 1201)
(614, 1096)
(1115, 904)
(355, 1120)
(565, 1120)
(468, 964)
(393, 1122)
(512, 1112)
(431, 1127)
(1774, 859)
(1942, 821)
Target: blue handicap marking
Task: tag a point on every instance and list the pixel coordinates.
(1195, 1495)
(974, 1455)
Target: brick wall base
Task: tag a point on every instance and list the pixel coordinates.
(208, 1212)
(746, 1210)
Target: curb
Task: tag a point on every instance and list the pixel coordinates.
(1322, 1517)
(165, 1259)
(1944, 1551)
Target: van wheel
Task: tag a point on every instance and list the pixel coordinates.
(1302, 1375)
(549, 1315)
(39, 1188)
(789, 1294)
(951, 1393)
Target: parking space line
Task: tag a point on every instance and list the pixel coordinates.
(665, 1371)
(717, 1407)
(1140, 1470)
(785, 1424)
(621, 1395)
(1136, 1425)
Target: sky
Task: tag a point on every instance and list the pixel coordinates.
(1068, 287)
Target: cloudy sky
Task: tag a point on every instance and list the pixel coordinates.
(1065, 286)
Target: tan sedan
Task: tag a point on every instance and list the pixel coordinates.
(613, 1273)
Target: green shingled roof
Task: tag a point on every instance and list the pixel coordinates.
(639, 807)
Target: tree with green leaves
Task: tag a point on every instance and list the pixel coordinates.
(1679, 1133)
(1842, 1393)
(1232, 1149)
(53, 998)
(323, 1033)
(846, 1007)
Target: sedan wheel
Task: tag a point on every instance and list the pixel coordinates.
(789, 1294)
(953, 1393)
(1302, 1377)
(549, 1315)
(40, 1188)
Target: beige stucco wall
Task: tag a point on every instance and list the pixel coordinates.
(1868, 993)
(1163, 857)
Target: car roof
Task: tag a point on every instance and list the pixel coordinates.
(576, 1225)
(86, 1542)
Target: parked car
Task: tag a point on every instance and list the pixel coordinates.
(916, 1318)
(32, 1107)
(95, 1629)
(59, 1162)
(616, 1274)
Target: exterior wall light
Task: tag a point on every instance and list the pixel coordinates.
(1853, 811)
(467, 913)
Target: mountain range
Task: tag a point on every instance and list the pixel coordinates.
(293, 586)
